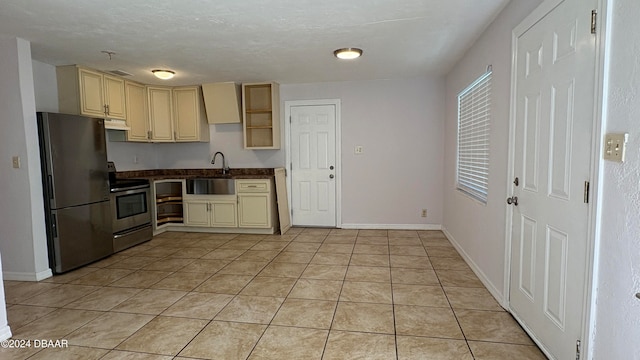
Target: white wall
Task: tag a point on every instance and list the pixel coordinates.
(22, 230)
(617, 310)
(5, 331)
(400, 125)
(479, 230)
(45, 86)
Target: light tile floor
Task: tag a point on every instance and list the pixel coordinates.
(309, 294)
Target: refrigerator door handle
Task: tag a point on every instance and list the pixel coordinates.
(50, 185)
(54, 226)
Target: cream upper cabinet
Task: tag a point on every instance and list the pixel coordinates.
(114, 97)
(160, 113)
(261, 115)
(190, 123)
(222, 102)
(136, 105)
(176, 114)
(91, 93)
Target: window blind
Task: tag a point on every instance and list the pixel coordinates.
(474, 120)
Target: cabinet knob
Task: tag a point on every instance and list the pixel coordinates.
(331, 176)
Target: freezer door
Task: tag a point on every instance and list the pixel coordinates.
(80, 235)
(75, 159)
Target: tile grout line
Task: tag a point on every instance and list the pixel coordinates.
(393, 302)
(449, 302)
(335, 311)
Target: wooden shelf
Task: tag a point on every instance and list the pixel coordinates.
(261, 115)
(169, 219)
(168, 203)
(167, 198)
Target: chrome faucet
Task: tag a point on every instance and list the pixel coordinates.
(225, 168)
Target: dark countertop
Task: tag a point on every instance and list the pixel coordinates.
(160, 174)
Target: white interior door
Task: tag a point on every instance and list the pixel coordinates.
(313, 165)
(554, 97)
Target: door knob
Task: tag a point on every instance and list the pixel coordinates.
(512, 200)
(331, 176)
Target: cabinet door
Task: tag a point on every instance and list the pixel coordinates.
(187, 116)
(224, 214)
(196, 213)
(222, 101)
(254, 211)
(91, 99)
(114, 97)
(135, 97)
(160, 113)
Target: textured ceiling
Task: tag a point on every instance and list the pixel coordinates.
(289, 41)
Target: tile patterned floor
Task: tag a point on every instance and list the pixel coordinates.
(309, 294)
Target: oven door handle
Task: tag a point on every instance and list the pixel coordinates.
(129, 189)
(131, 231)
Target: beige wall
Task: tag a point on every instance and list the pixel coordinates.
(478, 229)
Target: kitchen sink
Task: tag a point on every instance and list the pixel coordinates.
(211, 187)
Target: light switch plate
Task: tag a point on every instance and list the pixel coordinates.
(16, 162)
(615, 146)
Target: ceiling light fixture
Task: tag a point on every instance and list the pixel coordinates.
(348, 53)
(163, 74)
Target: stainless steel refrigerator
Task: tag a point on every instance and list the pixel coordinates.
(76, 189)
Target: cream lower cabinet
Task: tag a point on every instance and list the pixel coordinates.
(255, 203)
(207, 211)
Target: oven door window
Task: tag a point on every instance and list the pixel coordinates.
(131, 205)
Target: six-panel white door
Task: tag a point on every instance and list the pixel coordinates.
(313, 165)
(554, 96)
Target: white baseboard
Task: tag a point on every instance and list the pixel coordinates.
(5, 333)
(392, 226)
(22, 276)
(499, 296)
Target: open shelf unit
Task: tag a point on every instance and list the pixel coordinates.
(168, 198)
(261, 115)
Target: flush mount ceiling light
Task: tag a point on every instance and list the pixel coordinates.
(348, 53)
(163, 74)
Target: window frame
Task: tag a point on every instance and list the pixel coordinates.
(473, 138)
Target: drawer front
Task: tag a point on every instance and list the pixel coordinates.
(253, 186)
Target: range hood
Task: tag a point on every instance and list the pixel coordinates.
(115, 124)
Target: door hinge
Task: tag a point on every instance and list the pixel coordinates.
(586, 192)
(578, 343)
(594, 20)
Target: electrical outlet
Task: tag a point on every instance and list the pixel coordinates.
(16, 162)
(615, 146)
(423, 213)
(359, 150)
